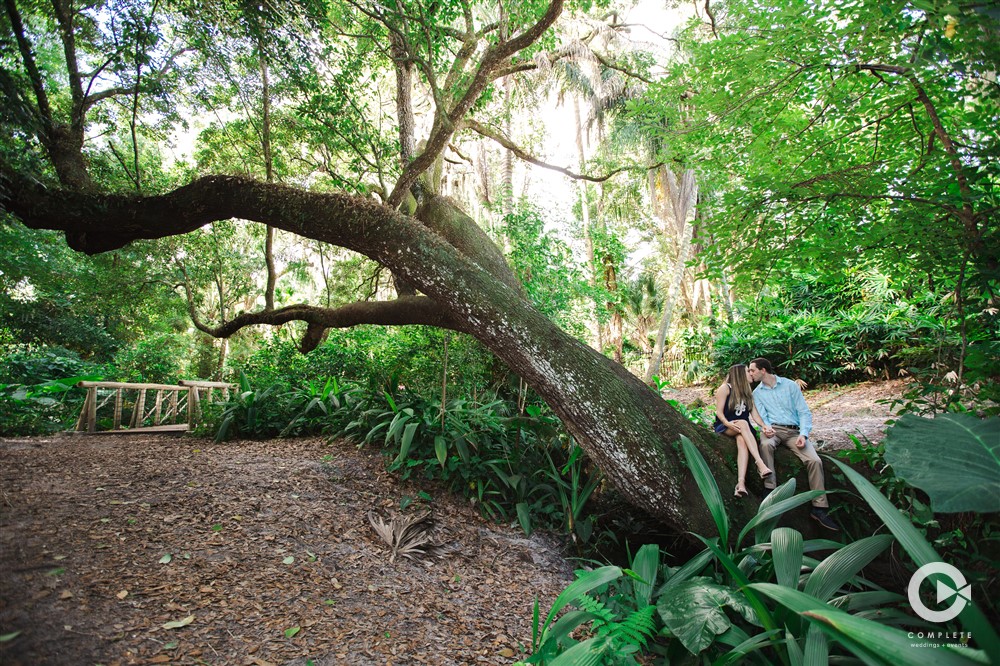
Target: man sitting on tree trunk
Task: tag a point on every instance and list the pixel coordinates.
(787, 419)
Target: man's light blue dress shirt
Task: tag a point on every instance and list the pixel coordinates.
(783, 404)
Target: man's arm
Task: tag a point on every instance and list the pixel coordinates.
(805, 415)
(765, 419)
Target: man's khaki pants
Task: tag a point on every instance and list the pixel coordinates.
(807, 454)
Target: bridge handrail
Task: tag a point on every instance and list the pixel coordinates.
(193, 387)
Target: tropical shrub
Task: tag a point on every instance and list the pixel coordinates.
(43, 408)
(773, 601)
(25, 364)
(857, 329)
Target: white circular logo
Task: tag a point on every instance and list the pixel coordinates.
(959, 590)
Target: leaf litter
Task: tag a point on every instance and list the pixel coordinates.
(234, 516)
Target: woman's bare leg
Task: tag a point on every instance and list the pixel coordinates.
(751, 444)
(742, 461)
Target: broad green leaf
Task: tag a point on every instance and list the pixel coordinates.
(787, 552)
(565, 625)
(462, 448)
(768, 516)
(689, 569)
(288, 560)
(954, 458)
(646, 564)
(166, 559)
(177, 624)
(404, 446)
(817, 650)
(588, 653)
(891, 645)
(709, 488)
(843, 565)
(752, 643)
(524, 517)
(291, 631)
(441, 449)
(694, 612)
(858, 601)
(793, 650)
(765, 525)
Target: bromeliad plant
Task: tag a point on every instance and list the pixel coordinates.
(771, 601)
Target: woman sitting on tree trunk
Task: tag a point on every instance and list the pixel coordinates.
(733, 409)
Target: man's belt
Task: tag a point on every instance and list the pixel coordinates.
(790, 426)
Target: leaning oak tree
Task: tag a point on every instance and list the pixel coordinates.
(447, 271)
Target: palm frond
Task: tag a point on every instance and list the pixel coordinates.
(409, 536)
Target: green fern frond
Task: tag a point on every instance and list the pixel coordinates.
(603, 616)
(637, 628)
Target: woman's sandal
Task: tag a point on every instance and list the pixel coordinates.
(741, 492)
(766, 474)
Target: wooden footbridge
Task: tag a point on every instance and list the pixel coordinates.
(120, 407)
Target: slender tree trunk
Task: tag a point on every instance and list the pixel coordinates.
(265, 141)
(727, 295)
(508, 155)
(673, 293)
(594, 326)
(681, 195)
(403, 66)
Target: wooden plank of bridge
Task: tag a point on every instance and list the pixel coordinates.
(92, 409)
(139, 417)
(159, 402)
(118, 411)
(194, 407)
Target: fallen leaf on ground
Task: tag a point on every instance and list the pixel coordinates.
(177, 624)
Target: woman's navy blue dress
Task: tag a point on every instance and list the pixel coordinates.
(740, 411)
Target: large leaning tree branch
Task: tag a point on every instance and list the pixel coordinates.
(521, 154)
(627, 429)
(404, 311)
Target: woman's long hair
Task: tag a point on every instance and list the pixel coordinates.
(739, 390)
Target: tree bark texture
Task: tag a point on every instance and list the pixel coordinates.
(628, 430)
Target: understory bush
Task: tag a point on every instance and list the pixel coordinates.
(863, 329)
(161, 358)
(377, 358)
(37, 389)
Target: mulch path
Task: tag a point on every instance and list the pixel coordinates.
(263, 538)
